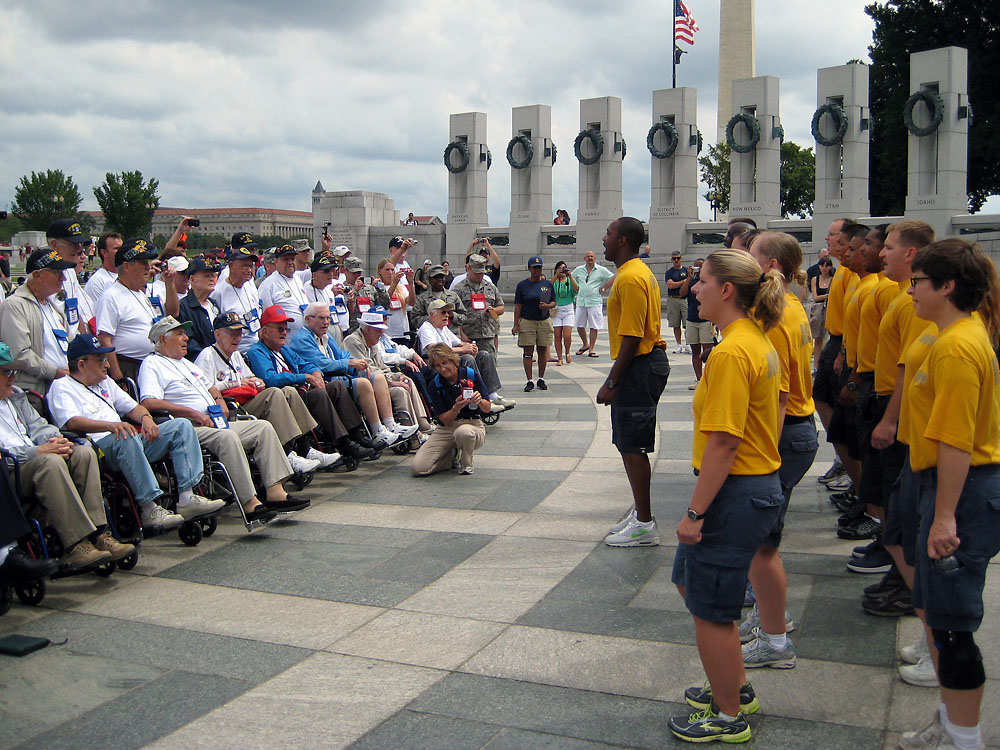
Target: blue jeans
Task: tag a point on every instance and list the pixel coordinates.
(132, 458)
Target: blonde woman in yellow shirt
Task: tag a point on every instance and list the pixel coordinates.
(737, 499)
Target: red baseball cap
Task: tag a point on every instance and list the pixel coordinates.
(274, 314)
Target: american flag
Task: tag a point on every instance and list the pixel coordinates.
(684, 24)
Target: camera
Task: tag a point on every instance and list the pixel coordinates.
(194, 222)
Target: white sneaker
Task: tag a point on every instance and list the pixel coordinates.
(325, 459)
(685, 349)
(623, 521)
(456, 463)
(158, 518)
(840, 484)
(421, 438)
(679, 350)
(915, 652)
(921, 674)
(384, 438)
(466, 469)
(198, 507)
(302, 465)
(496, 408)
(405, 431)
(507, 403)
(635, 534)
(933, 735)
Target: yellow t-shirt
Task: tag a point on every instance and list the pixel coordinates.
(792, 340)
(953, 397)
(873, 309)
(835, 302)
(913, 358)
(738, 395)
(896, 331)
(852, 314)
(634, 307)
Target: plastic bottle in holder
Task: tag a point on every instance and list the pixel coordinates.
(468, 389)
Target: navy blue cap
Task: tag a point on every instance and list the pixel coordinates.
(284, 250)
(242, 239)
(535, 261)
(247, 252)
(83, 345)
(135, 249)
(323, 262)
(202, 264)
(228, 320)
(46, 258)
(69, 230)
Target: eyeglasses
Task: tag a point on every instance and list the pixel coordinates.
(915, 279)
(12, 373)
(319, 317)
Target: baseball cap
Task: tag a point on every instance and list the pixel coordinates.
(202, 264)
(354, 265)
(227, 320)
(285, 250)
(323, 262)
(179, 263)
(269, 255)
(439, 304)
(242, 239)
(7, 361)
(135, 249)
(396, 242)
(341, 250)
(69, 230)
(166, 325)
(246, 252)
(274, 314)
(477, 263)
(427, 261)
(373, 320)
(437, 270)
(535, 261)
(47, 258)
(82, 345)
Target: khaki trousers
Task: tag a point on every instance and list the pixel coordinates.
(69, 491)
(407, 400)
(232, 446)
(435, 455)
(284, 409)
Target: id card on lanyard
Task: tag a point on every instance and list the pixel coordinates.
(364, 304)
(157, 305)
(252, 319)
(394, 303)
(62, 339)
(217, 417)
(478, 301)
(72, 307)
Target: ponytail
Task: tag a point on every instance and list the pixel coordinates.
(760, 295)
(769, 302)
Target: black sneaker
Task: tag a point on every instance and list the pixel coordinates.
(877, 561)
(897, 604)
(541, 385)
(851, 516)
(705, 726)
(529, 387)
(849, 504)
(844, 495)
(866, 549)
(700, 697)
(866, 528)
(890, 582)
(351, 448)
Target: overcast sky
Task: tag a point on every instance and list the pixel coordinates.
(249, 103)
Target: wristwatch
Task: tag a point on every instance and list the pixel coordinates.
(695, 516)
(610, 383)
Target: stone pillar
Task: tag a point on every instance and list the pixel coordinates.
(531, 186)
(737, 54)
(937, 164)
(674, 178)
(466, 189)
(755, 188)
(601, 182)
(841, 169)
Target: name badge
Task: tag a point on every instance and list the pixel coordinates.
(394, 303)
(72, 311)
(157, 305)
(341, 306)
(252, 319)
(217, 417)
(334, 318)
(62, 338)
(364, 304)
(302, 309)
(478, 301)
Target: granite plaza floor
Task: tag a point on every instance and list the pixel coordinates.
(457, 612)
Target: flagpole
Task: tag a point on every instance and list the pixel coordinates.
(673, 53)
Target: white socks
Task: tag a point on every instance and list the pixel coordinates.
(183, 498)
(778, 641)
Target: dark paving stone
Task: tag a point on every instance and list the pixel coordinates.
(608, 576)
(794, 734)
(610, 619)
(580, 714)
(836, 631)
(848, 586)
(142, 715)
(533, 411)
(426, 731)
(577, 413)
(430, 558)
(331, 587)
(71, 627)
(519, 739)
(521, 495)
(322, 558)
(337, 533)
(191, 651)
(234, 558)
(815, 565)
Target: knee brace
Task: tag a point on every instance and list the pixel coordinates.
(960, 662)
(527, 356)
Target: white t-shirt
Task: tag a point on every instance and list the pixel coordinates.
(179, 381)
(54, 336)
(98, 283)
(13, 431)
(397, 321)
(245, 302)
(303, 277)
(288, 295)
(105, 402)
(73, 291)
(127, 316)
(429, 335)
(223, 374)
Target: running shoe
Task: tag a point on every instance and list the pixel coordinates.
(750, 627)
(700, 697)
(921, 674)
(635, 534)
(760, 652)
(705, 726)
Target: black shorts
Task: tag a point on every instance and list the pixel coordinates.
(633, 410)
(870, 409)
(843, 429)
(825, 383)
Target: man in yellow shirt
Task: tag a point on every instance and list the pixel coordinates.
(638, 376)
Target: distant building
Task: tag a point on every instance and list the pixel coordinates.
(227, 221)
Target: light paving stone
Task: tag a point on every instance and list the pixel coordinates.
(913, 708)
(558, 526)
(621, 666)
(502, 581)
(328, 701)
(530, 463)
(423, 519)
(290, 620)
(592, 494)
(419, 638)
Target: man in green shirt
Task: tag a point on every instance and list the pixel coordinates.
(593, 280)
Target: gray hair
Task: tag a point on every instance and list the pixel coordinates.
(315, 307)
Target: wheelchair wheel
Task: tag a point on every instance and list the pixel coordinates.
(350, 463)
(107, 569)
(190, 533)
(375, 456)
(209, 525)
(402, 447)
(491, 418)
(127, 563)
(301, 480)
(6, 599)
(31, 593)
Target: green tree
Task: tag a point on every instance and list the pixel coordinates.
(128, 203)
(9, 227)
(905, 26)
(798, 178)
(42, 197)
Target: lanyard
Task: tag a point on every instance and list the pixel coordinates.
(187, 377)
(17, 426)
(244, 305)
(148, 308)
(319, 295)
(292, 290)
(229, 364)
(53, 322)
